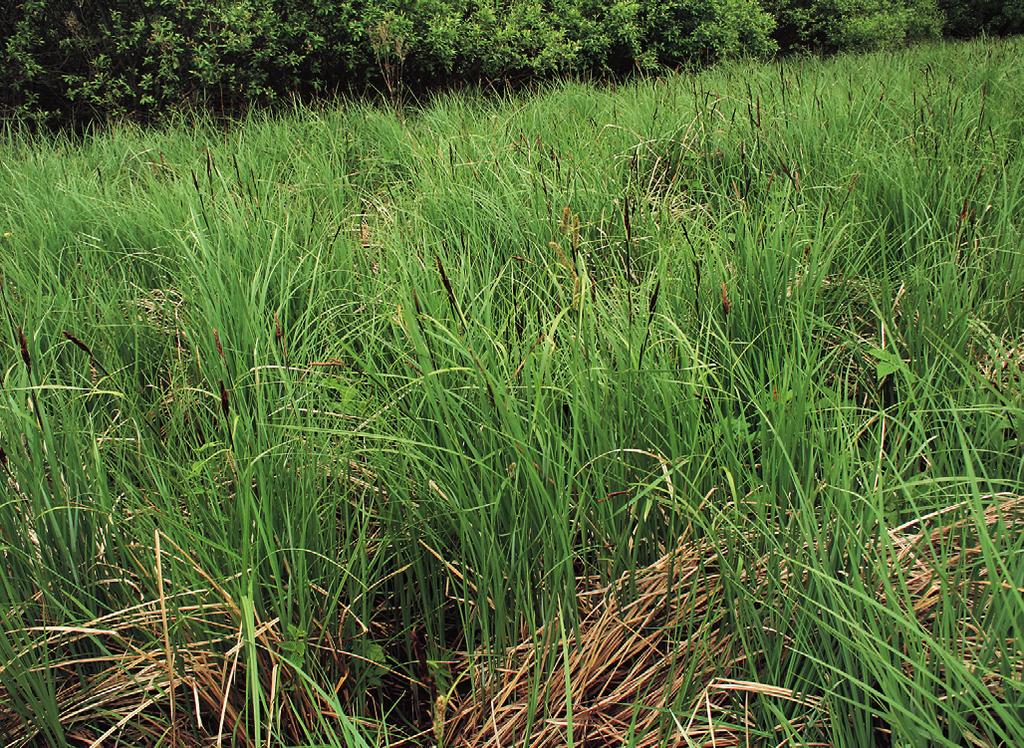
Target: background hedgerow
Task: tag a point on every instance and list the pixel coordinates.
(72, 61)
(682, 411)
(79, 61)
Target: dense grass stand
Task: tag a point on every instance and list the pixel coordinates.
(682, 412)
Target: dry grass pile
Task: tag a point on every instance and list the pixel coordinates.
(144, 690)
(661, 662)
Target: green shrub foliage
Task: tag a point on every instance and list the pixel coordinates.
(683, 30)
(82, 57)
(966, 18)
(835, 25)
(77, 60)
(76, 57)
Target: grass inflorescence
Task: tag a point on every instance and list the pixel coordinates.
(682, 412)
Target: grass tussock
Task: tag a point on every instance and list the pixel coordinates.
(654, 653)
(681, 412)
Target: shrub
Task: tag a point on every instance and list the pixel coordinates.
(834, 25)
(966, 18)
(75, 59)
(698, 30)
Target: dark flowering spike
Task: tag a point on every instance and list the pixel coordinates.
(627, 223)
(23, 341)
(448, 289)
(225, 405)
(651, 308)
(78, 342)
(94, 365)
(654, 298)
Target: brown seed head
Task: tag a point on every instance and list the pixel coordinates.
(23, 341)
(225, 405)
